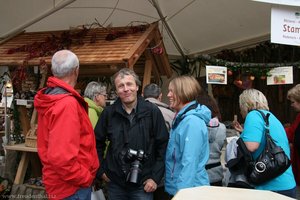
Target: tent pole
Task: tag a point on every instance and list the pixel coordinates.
(169, 30)
(21, 28)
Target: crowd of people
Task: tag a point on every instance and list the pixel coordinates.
(140, 147)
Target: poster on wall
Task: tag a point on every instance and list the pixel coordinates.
(216, 75)
(280, 76)
(285, 26)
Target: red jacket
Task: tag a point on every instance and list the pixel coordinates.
(66, 141)
(295, 157)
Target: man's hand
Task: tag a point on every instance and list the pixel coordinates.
(97, 184)
(150, 185)
(105, 178)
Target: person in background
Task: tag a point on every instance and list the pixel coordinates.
(95, 95)
(253, 133)
(188, 147)
(293, 131)
(152, 92)
(135, 159)
(65, 137)
(216, 136)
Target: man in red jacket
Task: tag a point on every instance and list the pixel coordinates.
(66, 140)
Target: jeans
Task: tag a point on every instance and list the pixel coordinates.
(81, 194)
(116, 192)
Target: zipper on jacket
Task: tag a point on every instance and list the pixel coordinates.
(173, 169)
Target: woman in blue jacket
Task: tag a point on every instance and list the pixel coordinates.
(188, 147)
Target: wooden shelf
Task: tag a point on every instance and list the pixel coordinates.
(20, 147)
(34, 186)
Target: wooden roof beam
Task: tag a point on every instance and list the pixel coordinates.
(139, 47)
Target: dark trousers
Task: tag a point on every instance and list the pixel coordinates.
(116, 192)
(161, 194)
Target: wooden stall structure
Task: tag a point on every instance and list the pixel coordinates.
(101, 52)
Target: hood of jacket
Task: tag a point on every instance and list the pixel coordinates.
(92, 104)
(42, 101)
(157, 102)
(193, 108)
(212, 127)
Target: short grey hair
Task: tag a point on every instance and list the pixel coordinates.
(252, 99)
(152, 90)
(125, 72)
(94, 88)
(64, 62)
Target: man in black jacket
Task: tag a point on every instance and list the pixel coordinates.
(137, 135)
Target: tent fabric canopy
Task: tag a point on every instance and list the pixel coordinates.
(198, 26)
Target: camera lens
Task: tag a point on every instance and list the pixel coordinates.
(133, 175)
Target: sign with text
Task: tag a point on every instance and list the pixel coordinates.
(280, 76)
(216, 75)
(285, 26)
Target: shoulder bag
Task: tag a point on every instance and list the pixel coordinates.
(272, 162)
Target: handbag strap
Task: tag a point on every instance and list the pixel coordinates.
(267, 130)
(266, 119)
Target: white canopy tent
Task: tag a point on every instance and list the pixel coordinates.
(188, 26)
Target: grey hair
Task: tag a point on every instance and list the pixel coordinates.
(152, 90)
(251, 99)
(125, 72)
(63, 63)
(94, 88)
(294, 93)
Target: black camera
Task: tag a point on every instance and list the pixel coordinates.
(135, 158)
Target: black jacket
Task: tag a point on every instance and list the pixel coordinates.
(146, 132)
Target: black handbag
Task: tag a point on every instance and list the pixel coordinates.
(272, 162)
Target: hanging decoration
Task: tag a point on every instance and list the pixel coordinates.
(256, 62)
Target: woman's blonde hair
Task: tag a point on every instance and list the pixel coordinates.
(294, 93)
(186, 88)
(251, 99)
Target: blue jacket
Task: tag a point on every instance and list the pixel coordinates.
(188, 149)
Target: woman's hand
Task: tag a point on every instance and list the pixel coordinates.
(237, 126)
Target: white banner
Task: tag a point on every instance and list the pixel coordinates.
(285, 26)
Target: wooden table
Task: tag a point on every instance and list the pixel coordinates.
(27, 152)
(227, 193)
